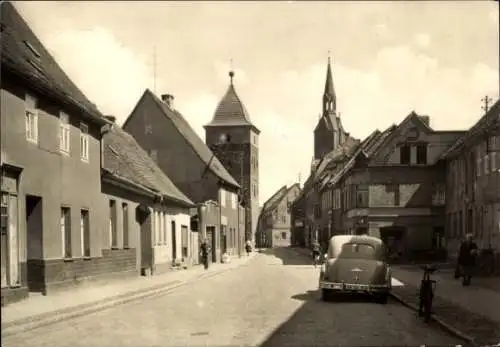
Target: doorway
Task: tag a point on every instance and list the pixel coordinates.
(212, 242)
(223, 239)
(34, 239)
(174, 241)
(9, 240)
(393, 239)
(145, 256)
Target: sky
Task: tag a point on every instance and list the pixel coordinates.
(388, 59)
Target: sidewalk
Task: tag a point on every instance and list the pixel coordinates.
(40, 310)
(471, 311)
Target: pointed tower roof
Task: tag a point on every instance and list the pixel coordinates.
(231, 111)
(329, 90)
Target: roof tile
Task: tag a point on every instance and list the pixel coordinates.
(124, 158)
(24, 54)
(195, 141)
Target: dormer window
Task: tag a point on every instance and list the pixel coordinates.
(422, 153)
(32, 49)
(405, 154)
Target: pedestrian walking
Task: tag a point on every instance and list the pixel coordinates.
(466, 260)
(204, 253)
(248, 247)
(316, 252)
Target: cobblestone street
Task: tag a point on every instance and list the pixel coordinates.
(271, 300)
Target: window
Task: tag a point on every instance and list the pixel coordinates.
(283, 219)
(185, 240)
(156, 228)
(357, 251)
(125, 225)
(154, 155)
(148, 129)
(405, 154)
(222, 197)
(486, 164)
(438, 194)
(422, 154)
(31, 118)
(85, 232)
(113, 233)
(65, 223)
(283, 235)
(234, 200)
(84, 142)
(64, 133)
(394, 188)
(165, 226)
(362, 195)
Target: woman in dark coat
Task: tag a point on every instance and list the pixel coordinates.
(204, 253)
(466, 259)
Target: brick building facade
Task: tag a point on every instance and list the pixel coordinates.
(393, 187)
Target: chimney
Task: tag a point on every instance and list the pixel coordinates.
(168, 99)
(112, 119)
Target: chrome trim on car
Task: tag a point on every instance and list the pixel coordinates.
(353, 286)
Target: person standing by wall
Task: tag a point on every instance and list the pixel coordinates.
(204, 249)
(466, 260)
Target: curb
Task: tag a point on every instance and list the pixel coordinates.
(48, 318)
(438, 321)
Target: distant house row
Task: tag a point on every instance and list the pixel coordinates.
(420, 190)
(83, 198)
(274, 226)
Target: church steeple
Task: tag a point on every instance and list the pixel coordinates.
(329, 98)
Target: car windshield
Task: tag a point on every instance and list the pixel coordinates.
(357, 251)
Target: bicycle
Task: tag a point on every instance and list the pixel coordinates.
(426, 292)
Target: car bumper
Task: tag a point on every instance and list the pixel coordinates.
(354, 287)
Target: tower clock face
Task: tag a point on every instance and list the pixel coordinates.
(224, 138)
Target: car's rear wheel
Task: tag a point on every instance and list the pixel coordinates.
(326, 294)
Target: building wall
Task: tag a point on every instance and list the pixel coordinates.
(473, 195)
(228, 201)
(278, 222)
(409, 199)
(73, 183)
(154, 131)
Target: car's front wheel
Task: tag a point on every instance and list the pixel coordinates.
(326, 294)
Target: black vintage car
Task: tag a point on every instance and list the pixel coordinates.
(355, 264)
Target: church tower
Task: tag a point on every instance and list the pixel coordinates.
(235, 141)
(329, 133)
